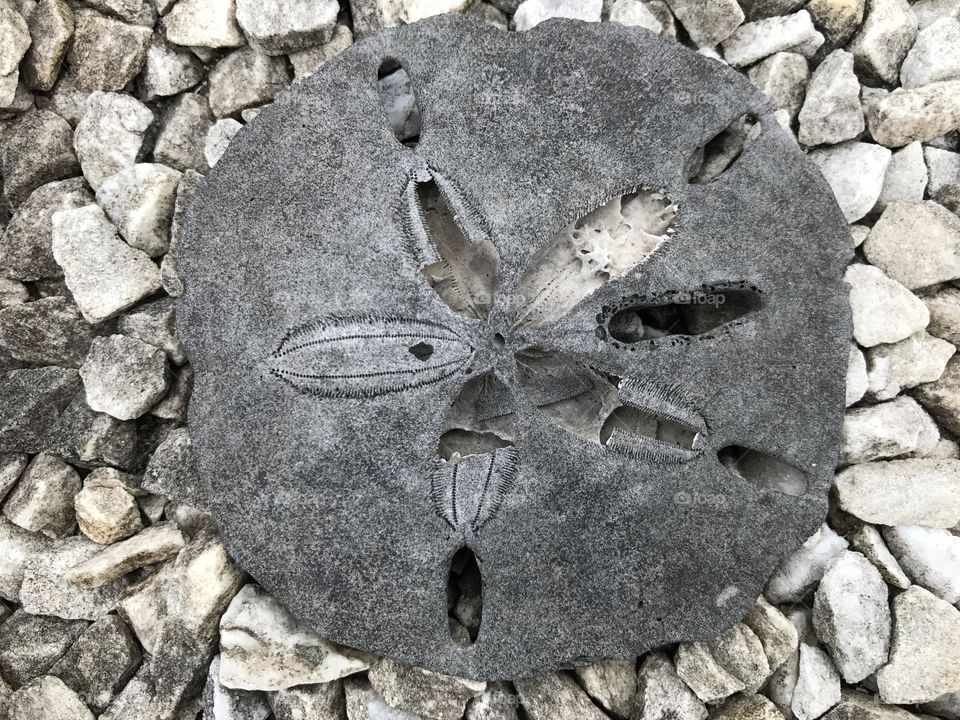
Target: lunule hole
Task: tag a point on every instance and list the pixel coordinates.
(720, 153)
(764, 470)
(464, 597)
(399, 102)
(694, 314)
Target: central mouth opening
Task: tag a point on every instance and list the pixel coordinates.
(498, 340)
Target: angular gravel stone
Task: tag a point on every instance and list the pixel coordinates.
(916, 244)
(635, 13)
(748, 707)
(942, 397)
(831, 112)
(887, 430)
(709, 680)
(168, 70)
(783, 78)
(26, 251)
(837, 19)
(100, 662)
(106, 53)
(105, 275)
(934, 56)
(776, 633)
(219, 137)
(278, 27)
(154, 544)
(31, 403)
(497, 702)
(612, 684)
(35, 149)
(921, 358)
(925, 652)
(884, 38)
(204, 23)
(851, 616)
(761, 38)
(365, 703)
(868, 541)
(12, 292)
(662, 695)
(929, 556)
(264, 647)
(818, 684)
(12, 466)
(46, 698)
(49, 331)
(855, 172)
(14, 38)
(531, 13)
(171, 471)
(902, 492)
(943, 170)
(245, 78)
(223, 703)
(31, 644)
(43, 499)
(182, 137)
(144, 605)
(799, 573)
(859, 706)
(741, 653)
(884, 311)
(857, 380)
(306, 62)
(139, 201)
(107, 513)
(550, 697)
(922, 113)
(906, 177)
(708, 22)
(153, 323)
(51, 28)
(17, 546)
(946, 706)
(45, 591)
(90, 439)
(110, 135)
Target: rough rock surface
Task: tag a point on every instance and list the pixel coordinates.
(36, 149)
(818, 684)
(855, 171)
(799, 572)
(930, 556)
(124, 377)
(45, 698)
(43, 499)
(139, 201)
(921, 113)
(151, 545)
(919, 359)
(831, 109)
(887, 430)
(31, 644)
(48, 331)
(278, 27)
(106, 53)
(554, 696)
(110, 135)
(884, 311)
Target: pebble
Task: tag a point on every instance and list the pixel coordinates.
(278, 27)
(14, 41)
(139, 201)
(925, 651)
(886, 430)
(831, 112)
(48, 331)
(17, 546)
(105, 275)
(51, 28)
(783, 78)
(929, 556)
(943, 174)
(934, 56)
(531, 13)
(662, 695)
(264, 647)
(916, 244)
(153, 323)
(748, 707)
(171, 471)
(634, 13)
(219, 137)
(26, 251)
(151, 545)
(884, 38)
(87, 438)
(35, 149)
(759, 39)
(107, 513)
(245, 78)
(100, 662)
(942, 397)
(708, 22)
(818, 684)
(46, 698)
(884, 311)
(106, 53)
(922, 113)
(223, 703)
(612, 684)
(183, 133)
(906, 177)
(921, 358)
(548, 697)
(45, 592)
(837, 19)
(168, 70)
(31, 644)
(43, 499)
(798, 573)
(868, 541)
(699, 669)
(776, 633)
(913, 491)
(144, 604)
(851, 616)
(203, 23)
(855, 172)
(306, 62)
(12, 292)
(110, 135)
(32, 401)
(857, 381)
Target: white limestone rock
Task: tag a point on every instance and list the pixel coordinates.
(550, 697)
(223, 703)
(855, 172)
(777, 634)
(884, 38)
(204, 23)
(365, 703)
(168, 70)
(662, 695)
(612, 684)
(105, 53)
(531, 13)
(831, 111)
(837, 19)
(306, 62)
(14, 38)
(221, 134)
(741, 653)
(43, 499)
(818, 684)
(887, 430)
(921, 358)
(46, 698)
(747, 707)
(857, 381)
(152, 545)
(708, 22)
(708, 679)
(798, 573)
(943, 171)
(922, 113)
(124, 377)
(107, 512)
(868, 541)
(884, 311)
(929, 556)
(906, 177)
(759, 39)
(860, 706)
(925, 651)
(17, 547)
(934, 56)
(942, 397)
(944, 308)
(245, 78)
(51, 28)
(783, 78)
(278, 27)
(264, 647)
(139, 201)
(110, 135)
(634, 13)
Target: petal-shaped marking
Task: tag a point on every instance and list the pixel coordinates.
(368, 355)
(468, 491)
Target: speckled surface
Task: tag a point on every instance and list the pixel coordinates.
(327, 500)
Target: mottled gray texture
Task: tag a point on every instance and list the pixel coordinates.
(327, 501)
